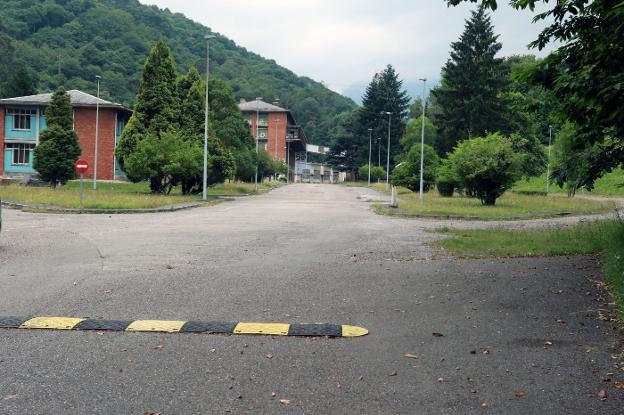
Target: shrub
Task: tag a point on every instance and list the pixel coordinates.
(486, 166)
(407, 173)
(446, 179)
(376, 173)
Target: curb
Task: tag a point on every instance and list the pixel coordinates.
(57, 209)
(385, 209)
(182, 326)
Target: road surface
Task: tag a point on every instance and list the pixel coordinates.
(299, 254)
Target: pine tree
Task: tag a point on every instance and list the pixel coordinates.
(472, 79)
(58, 149)
(157, 103)
(384, 94)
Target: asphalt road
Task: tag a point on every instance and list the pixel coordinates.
(300, 254)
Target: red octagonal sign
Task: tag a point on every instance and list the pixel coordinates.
(82, 166)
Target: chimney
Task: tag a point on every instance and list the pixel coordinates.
(243, 101)
(276, 102)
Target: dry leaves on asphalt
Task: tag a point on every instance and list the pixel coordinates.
(410, 356)
(393, 374)
(10, 397)
(158, 346)
(285, 401)
(603, 395)
(520, 395)
(436, 334)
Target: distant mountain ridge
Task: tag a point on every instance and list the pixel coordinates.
(68, 42)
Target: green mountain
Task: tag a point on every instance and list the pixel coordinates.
(68, 42)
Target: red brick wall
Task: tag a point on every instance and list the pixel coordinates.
(1, 140)
(281, 134)
(84, 122)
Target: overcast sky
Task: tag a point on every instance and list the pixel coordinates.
(344, 42)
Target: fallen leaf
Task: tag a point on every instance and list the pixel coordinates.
(560, 322)
(10, 397)
(440, 380)
(212, 350)
(520, 395)
(268, 356)
(158, 346)
(361, 378)
(473, 391)
(435, 334)
(410, 356)
(393, 374)
(618, 385)
(273, 394)
(338, 385)
(547, 344)
(285, 401)
(602, 395)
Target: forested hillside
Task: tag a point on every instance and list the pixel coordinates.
(67, 42)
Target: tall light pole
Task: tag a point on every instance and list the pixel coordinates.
(205, 182)
(97, 132)
(258, 99)
(370, 150)
(389, 114)
(379, 151)
(422, 145)
(548, 165)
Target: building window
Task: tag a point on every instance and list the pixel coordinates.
(20, 154)
(264, 119)
(21, 118)
(263, 134)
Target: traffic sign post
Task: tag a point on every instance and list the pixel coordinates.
(81, 167)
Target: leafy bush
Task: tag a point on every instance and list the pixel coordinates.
(446, 179)
(407, 173)
(486, 166)
(376, 173)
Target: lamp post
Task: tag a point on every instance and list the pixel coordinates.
(422, 145)
(205, 182)
(389, 114)
(370, 150)
(258, 99)
(548, 164)
(379, 151)
(97, 132)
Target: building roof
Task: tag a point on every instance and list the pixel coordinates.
(259, 105)
(78, 99)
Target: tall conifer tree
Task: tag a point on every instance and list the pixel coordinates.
(384, 94)
(472, 79)
(58, 149)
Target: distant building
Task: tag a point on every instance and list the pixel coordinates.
(22, 120)
(275, 129)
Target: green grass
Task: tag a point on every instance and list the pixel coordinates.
(611, 184)
(602, 237)
(118, 195)
(509, 206)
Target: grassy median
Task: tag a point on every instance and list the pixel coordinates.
(602, 237)
(118, 195)
(611, 184)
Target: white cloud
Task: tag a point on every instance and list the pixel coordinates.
(344, 42)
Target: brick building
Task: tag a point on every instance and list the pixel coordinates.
(275, 129)
(22, 120)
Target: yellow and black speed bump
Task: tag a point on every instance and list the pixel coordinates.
(182, 326)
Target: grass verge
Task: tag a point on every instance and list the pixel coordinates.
(509, 206)
(601, 237)
(611, 184)
(117, 195)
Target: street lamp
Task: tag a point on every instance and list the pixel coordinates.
(258, 99)
(378, 139)
(548, 164)
(370, 150)
(422, 145)
(97, 132)
(205, 182)
(389, 114)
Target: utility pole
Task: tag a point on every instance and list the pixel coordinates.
(548, 164)
(257, 138)
(422, 145)
(370, 149)
(97, 132)
(389, 114)
(205, 178)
